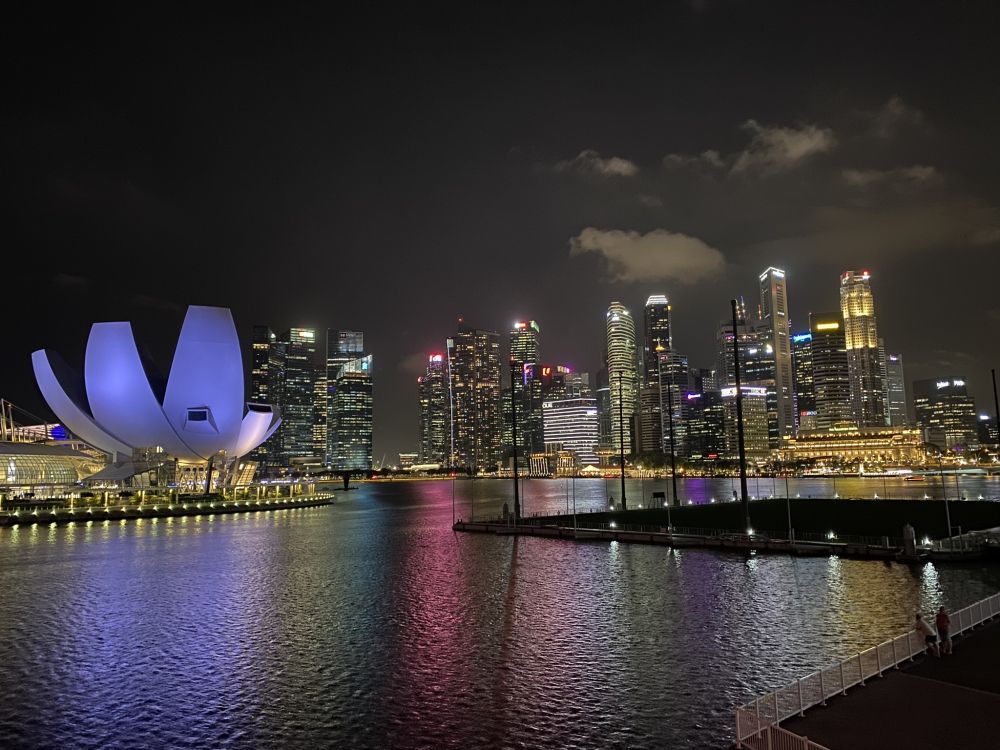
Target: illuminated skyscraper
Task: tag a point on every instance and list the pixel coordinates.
(572, 423)
(857, 306)
(266, 384)
(622, 375)
(298, 400)
(774, 320)
(435, 412)
(802, 369)
(474, 364)
(831, 378)
(351, 416)
(342, 347)
(525, 386)
(895, 390)
(658, 335)
(946, 412)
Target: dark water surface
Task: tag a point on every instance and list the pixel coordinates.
(372, 624)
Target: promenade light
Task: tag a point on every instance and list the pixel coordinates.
(613, 525)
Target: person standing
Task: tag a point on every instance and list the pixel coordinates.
(943, 623)
(930, 638)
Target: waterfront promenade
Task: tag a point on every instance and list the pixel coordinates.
(164, 510)
(928, 704)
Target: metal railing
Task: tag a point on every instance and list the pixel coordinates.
(759, 736)
(814, 689)
(969, 541)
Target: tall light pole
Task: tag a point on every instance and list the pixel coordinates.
(739, 417)
(621, 437)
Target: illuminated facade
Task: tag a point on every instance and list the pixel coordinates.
(266, 383)
(622, 374)
(351, 416)
(658, 335)
(857, 307)
(342, 348)
(802, 370)
(474, 367)
(435, 412)
(526, 387)
(946, 413)
(199, 413)
(774, 318)
(297, 439)
(572, 423)
(32, 464)
(756, 439)
(706, 425)
(872, 445)
(830, 375)
(895, 390)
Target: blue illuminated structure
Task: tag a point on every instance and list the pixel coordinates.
(118, 406)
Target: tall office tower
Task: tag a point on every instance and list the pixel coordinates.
(774, 319)
(572, 423)
(675, 384)
(622, 375)
(658, 335)
(725, 373)
(706, 425)
(341, 347)
(988, 433)
(657, 340)
(524, 357)
(266, 381)
(756, 438)
(946, 412)
(474, 362)
(578, 385)
(702, 379)
(298, 401)
(757, 366)
(351, 417)
(802, 372)
(320, 411)
(831, 378)
(857, 307)
(895, 390)
(435, 414)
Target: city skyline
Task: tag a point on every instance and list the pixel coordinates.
(393, 203)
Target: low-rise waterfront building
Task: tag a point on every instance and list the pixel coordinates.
(900, 446)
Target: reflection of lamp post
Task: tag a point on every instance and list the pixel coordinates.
(513, 425)
(947, 512)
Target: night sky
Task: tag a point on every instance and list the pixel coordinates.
(393, 171)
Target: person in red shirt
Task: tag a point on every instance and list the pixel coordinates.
(943, 623)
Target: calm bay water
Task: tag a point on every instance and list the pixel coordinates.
(372, 624)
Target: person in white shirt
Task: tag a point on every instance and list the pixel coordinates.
(930, 637)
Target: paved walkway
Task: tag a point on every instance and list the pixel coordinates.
(951, 702)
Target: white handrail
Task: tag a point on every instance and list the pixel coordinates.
(755, 717)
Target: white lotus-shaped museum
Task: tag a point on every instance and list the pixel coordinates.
(119, 404)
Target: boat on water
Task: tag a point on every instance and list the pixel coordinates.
(915, 478)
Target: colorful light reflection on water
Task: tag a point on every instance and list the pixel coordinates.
(372, 624)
